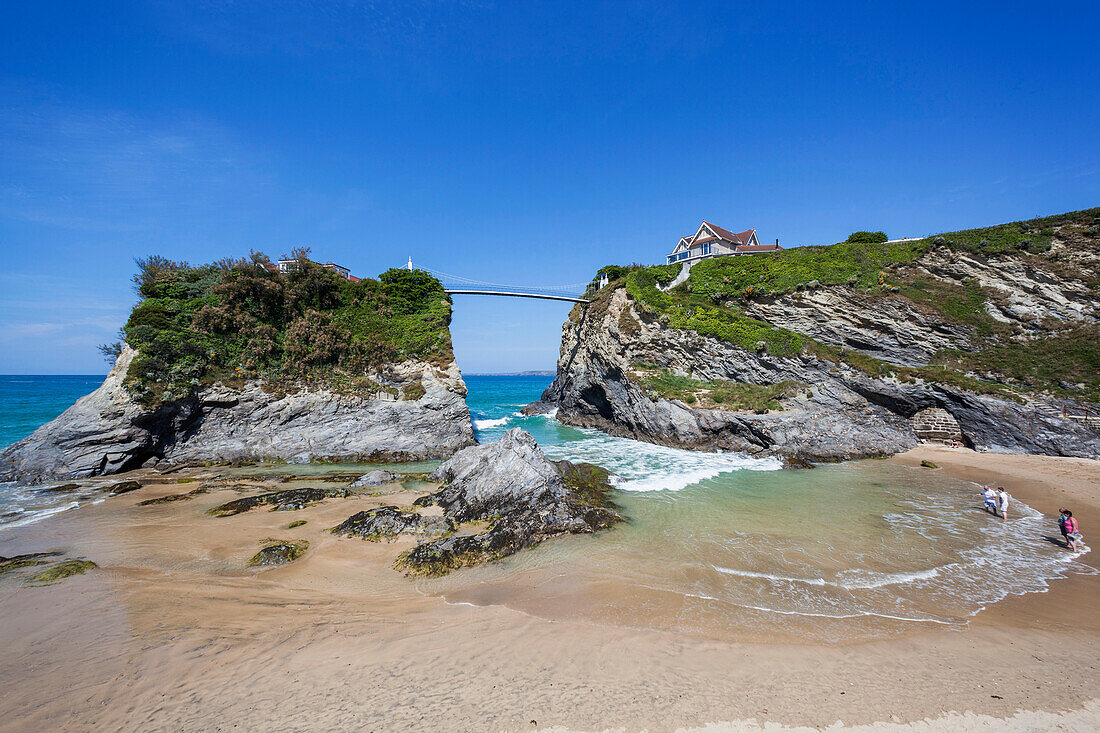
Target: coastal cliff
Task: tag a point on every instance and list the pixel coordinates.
(988, 336)
(238, 362)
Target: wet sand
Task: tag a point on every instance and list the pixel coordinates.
(173, 632)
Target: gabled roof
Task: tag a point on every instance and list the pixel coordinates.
(710, 232)
(739, 238)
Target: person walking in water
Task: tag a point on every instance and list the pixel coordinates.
(1073, 532)
(990, 498)
(1002, 500)
(1062, 525)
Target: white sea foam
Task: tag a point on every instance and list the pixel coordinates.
(769, 576)
(35, 516)
(487, 424)
(642, 466)
(864, 579)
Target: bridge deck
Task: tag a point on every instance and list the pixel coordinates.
(456, 291)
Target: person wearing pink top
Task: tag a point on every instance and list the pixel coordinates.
(1073, 531)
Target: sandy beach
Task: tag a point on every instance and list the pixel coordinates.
(173, 632)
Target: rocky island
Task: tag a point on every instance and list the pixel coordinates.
(859, 349)
(236, 362)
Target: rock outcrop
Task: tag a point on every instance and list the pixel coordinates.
(107, 431)
(527, 497)
(374, 478)
(285, 500)
(388, 522)
(838, 411)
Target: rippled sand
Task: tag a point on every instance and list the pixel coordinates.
(174, 632)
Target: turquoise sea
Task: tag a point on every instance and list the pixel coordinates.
(29, 401)
(719, 544)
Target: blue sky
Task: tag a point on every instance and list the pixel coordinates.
(509, 141)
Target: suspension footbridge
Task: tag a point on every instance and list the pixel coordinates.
(456, 285)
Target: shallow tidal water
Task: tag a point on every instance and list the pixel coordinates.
(721, 545)
(729, 546)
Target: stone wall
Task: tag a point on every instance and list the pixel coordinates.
(936, 425)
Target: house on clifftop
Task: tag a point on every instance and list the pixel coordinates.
(290, 264)
(714, 241)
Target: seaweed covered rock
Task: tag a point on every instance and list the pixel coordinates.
(123, 487)
(23, 561)
(286, 500)
(169, 498)
(528, 498)
(374, 478)
(388, 521)
(279, 553)
(61, 570)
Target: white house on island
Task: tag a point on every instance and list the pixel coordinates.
(714, 241)
(291, 264)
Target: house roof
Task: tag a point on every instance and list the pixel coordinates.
(757, 247)
(739, 238)
(708, 232)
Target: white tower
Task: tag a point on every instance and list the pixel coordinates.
(410, 265)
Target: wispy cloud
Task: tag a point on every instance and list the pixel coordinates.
(105, 171)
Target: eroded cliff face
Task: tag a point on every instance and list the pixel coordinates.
(107, 431)
(833, 410)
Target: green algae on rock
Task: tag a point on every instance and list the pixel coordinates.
(173, 497)
(388, 522)
(27, 560)
(122, 487)
(286, 500)
(279, 553)
(61, 570)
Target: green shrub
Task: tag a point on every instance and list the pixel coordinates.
(238, 319)
(867, 237)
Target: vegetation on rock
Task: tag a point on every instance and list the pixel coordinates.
(716, 394)
(240, 319)
(286, 500)
(23, 561)
(867, 237)
(712, 303)
(279, 553)
(62, 570)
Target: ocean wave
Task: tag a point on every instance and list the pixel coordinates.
(768, 576)
(646, 467)
(35, 516)
(817, 614)
(866, 579)
(489, 423)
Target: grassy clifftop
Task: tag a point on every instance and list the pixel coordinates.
(238, 319)
(714, 299)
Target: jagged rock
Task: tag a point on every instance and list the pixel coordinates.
(123, 487)
(63, 488)
(528, 498)
(388, 522)
(61, 570)
(107, 431)
(508, 475)
(846, 415)
(279, 554)
(374, 478)
(28, 560)
(288, 499)
(168, 499)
